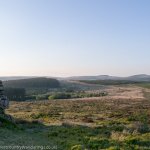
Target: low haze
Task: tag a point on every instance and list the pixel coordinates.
(80, 37)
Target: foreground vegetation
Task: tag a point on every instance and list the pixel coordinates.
(89, 123)
(145, 85)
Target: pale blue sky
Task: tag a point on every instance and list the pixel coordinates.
(74, 37)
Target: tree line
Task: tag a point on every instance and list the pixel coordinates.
(32, 83)
(17, 89)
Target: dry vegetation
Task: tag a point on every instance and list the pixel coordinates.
(120, 120)
(58, 111)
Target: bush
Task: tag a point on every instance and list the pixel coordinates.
(139, 127)
(60, 96)
(137, 141)
(98, 144)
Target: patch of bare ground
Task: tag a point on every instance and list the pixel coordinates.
(127, 92)
(122, 100)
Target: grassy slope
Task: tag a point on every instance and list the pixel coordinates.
(145, 85)
(92, 124)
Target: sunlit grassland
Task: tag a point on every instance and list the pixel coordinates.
(101, 123)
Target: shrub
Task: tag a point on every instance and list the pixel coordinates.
(60, 96)
(137, 141)
(98, 144)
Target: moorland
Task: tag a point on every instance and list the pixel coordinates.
(79, 115)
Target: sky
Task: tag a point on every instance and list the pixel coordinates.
(74, 37)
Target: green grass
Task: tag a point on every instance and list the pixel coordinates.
(144, 85)
(92, 124)
(72, 137)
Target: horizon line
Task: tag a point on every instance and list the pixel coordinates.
(69, 76)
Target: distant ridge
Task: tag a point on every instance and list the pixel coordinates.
(99, 77)
(138, 77)
(5, 78)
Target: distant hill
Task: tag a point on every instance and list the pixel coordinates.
(6, 78)
(100, 77)
(32, 83)
(140, 77)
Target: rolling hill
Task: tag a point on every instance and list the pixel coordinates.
(140, 77)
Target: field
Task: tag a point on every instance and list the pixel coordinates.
(120, 120)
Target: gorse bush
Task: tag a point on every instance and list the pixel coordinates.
(60, 96)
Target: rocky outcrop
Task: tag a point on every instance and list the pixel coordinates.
(4, 102)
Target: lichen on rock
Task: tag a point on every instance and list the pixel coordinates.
(4, 103)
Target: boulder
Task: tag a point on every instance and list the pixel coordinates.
(4, 102)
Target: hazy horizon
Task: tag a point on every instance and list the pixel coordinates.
(74, 38)
(73, 75)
